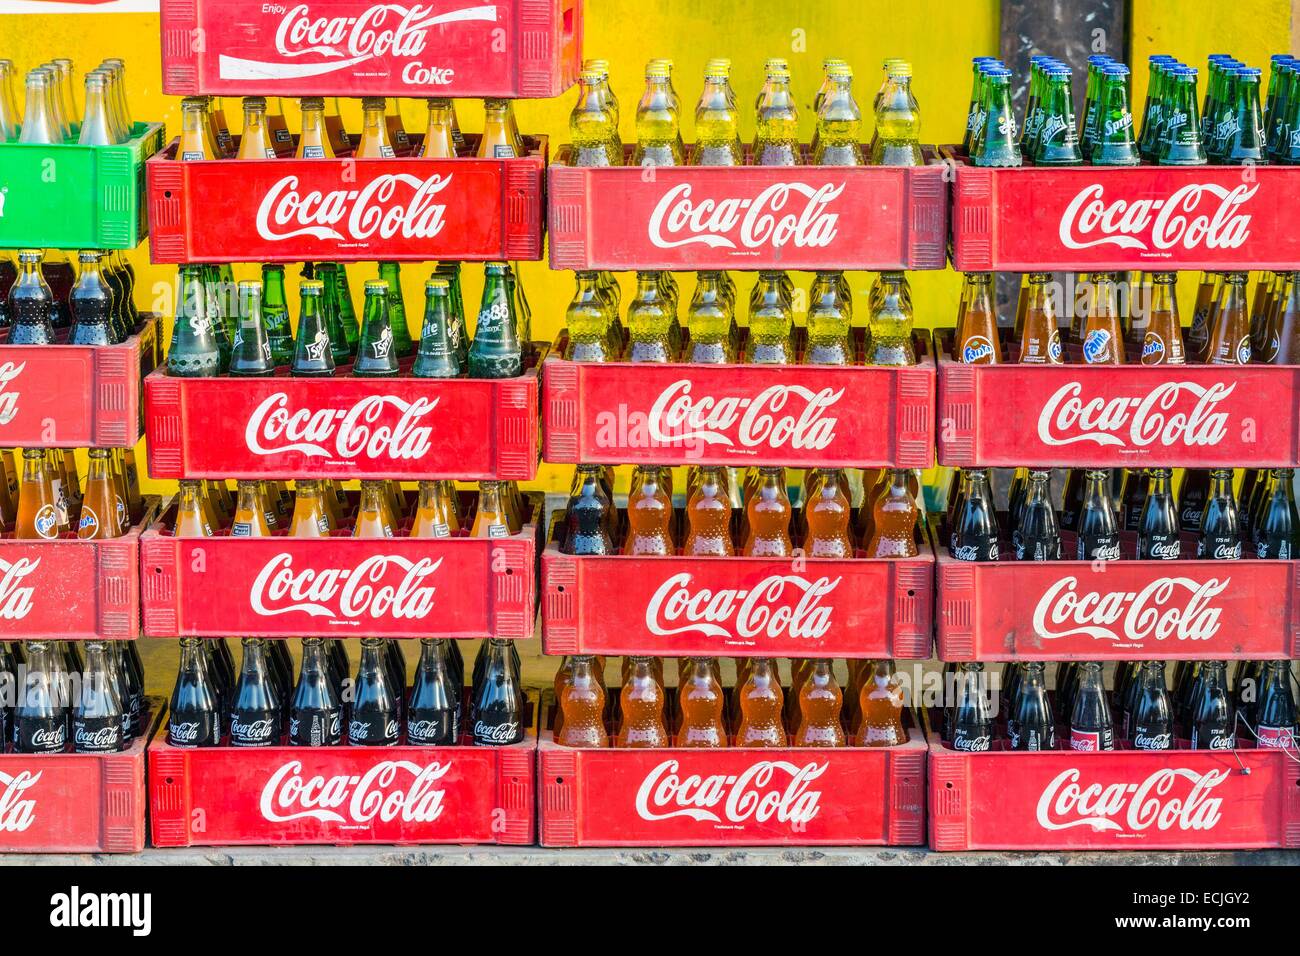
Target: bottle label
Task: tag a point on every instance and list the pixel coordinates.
(1219, 549)
(376, 730)
(503, 151)
(1279, 738)
(976, 349)
(315, 728)
(281, 135)
(41, 735)
(1100, 547)
(97, 735)
(498, 531)
(1151, 738)
(254, 729)
(241, 529)
(493, 734)
(313, 152)
(88, 520)
(194, 730)
(1097, 347)
(1276, 548)
(1038, 549)
(47, 522)
(1153, 350)
(436, 728)
(969, 740)
(192, 155)
(1090, 741)
(980, 549)
(1214, 738)
(1160, 547)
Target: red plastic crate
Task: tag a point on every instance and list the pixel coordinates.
(1193, 416)
(76, 803)
(457, 587)
(70, 589)
(75, 396)
(343, 427)
(1113, 800)
(227, 796)
(345, 210)
(1092, 218)
(675, 796)
(510, 48)
(798, 415)
(750, 217)
(1118, 610)
(775, 607)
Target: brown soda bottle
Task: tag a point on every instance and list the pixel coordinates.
(38, 515)
(220, 505)
(761, 707)
(196, 141)
(255, 142)
(439, 140)
(1022, 306)
(768, 513)
(581, 700)
(99, 518)
(894, 520)
(375, 143)
(708, 516)
(431, 518)
(563, 674)
(311, 518)
(641, 704)
(700, 706)
(192, 519)
(8, 491)
(490, 520)
(1040, 338)
(1284, 324)
(820, 703)
(828, 513)
(499, 141)
(1230, 331)
(649, 514)
(1103, 336)
(250, 513)
(1207, 299)
(314, 141)
(1163, 342)
(514, 503)
(373, 516)
(976, 341)
(880, 703)
(1266, 291)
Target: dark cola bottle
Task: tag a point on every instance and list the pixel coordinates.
(587, 517)
(194, 717)
(1220, 538)
(8, 693)
(257, 710)
(1016, 496)
(972, 723)
(41, 716)
(1185, 678)
(1091, 728)
(133, 672)
(497, 701)
(432, 711)
(1213, 719)
(1275, 713)
(1277, 533)
(975, 533)
(375, 719)
(1245, 689)
(1158, 526)
(31, 308)
(1067, 675)
(1191, 499)
(97, 714)
(117, 674)
(1135, 494)
(316, 713)
(1030, 724)
(1037, 537)
(1127, 700)
(1011, 673)
(1098, 528)
(91, 302)
(1072, 499)
(1153, 717)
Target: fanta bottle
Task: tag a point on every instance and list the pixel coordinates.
(761, 706)
(708, 515)
(976, 339)
(699, 698)
(820, 701)
(881, 705)
(310, 518)
(582, 702)
(893, 520)
(827, 513)
(432, 519)
(641, 704)
(490, 520)
(649, 513)
(38, 515)
(1103, 334)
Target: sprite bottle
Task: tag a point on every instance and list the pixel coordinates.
(496, 352)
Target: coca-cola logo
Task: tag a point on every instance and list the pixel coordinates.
(368, 429)
(260, 729)
(1166, 550)
(1172, 413)
(53, 738)
(9, 372)
(101, 738)
(760, 421)
(1164, 741)
(1153, 225)
(357, 799)
(766, 790)
(502, 733)
(1133, 807)
(1152, 612)
(17, 808)
(372, 210)
(184, 732)
(754, 222)
(16, 597)
(382, 585)
(383, 31)
(778, 606)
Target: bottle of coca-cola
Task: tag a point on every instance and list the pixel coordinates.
(972, 727)
(1067, 675)
(41, 716)
(1091, 728)
(1158, 526)
(1153, 718)
(975, 533)
(194, 718)
(497, 701)
(1098, 528)
(1276, 713)
(316, 713)
(1186, 674)
(1213, 721)
(1220, 538)
(340, 666)
(1133, 499)
(1277, 532)
(396, 663)
(1191, 499)
(256, 712)
(117, 666)
(222, 681)
(8, 693)
(374, 720)
(1245, 689)
(1011, 672)
(1072, 499)
(1030, 724)
(1037, 537)
(97, 714)
(432, 711)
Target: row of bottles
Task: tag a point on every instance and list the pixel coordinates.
(44, 300)
(1266, 524)
(245, 328)
(653, 332)
(46, 499)
(837, 141)
(319, 508)
(51, 114)
(57, 696)
(205, 133)
(763, 523)
(260, 705)
(757, 712)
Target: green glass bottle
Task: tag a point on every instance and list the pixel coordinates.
(495, 352)
(974, 115)
(523, 314)
(1245, 143)
(251, 356)
(376, 351)
(194, 351)
(1288, 137)
(391, 273)
(1181, 144)
(1284, 75)
(1115, 145)
(437, 357)
(1091, 92)
(998, 143)
(327, 274)
(313, 356)
(275, 315)
(1153, 109)
(1057, 143)
(587, 322)
(347, 311)
(219, 313)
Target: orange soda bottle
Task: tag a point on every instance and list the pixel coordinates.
(708, 516)
(8, 491)
(563, 674)
(191, 517)
(827, 512)
(491, 520)
(699, 698)
(373, 518)
(250, 514)
(761, 707)
(38, 508)
(881, 706)
(311, 518)
(1103, 336)
(582, 702)
(99, 514)
(431, 517)
(768, 514)
(894, 520)
(820, 701)
(642, 707)
(649, 514)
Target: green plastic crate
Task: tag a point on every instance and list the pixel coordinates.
(76, 197)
